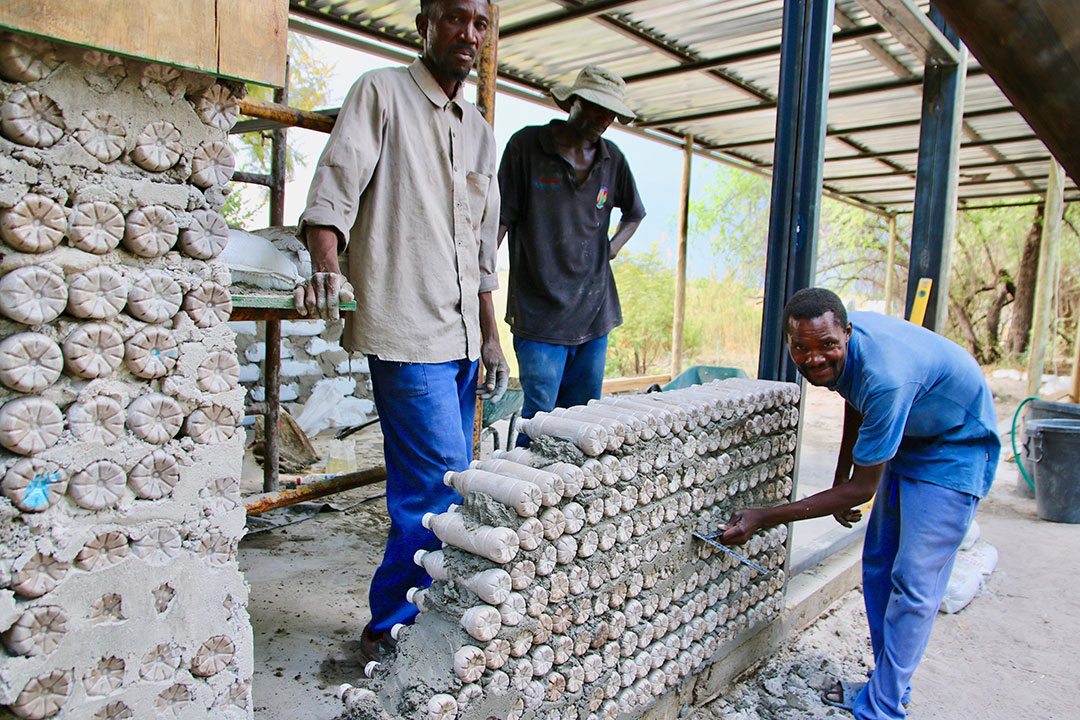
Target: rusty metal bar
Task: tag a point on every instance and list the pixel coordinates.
(745, 55)
(1074, 385)
(859, 129)
(278, 152)
(322, 488)
(868, 89)
(559, 17)
(914, 30)
(253, 178)
(280, 113)
(272, 360)
(272, 417)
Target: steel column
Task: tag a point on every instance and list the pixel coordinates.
(798, 169)
(934, 219)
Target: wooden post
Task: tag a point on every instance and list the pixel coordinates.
(487, 70)
(890, 264)
(680, 262)
(1044, 286)
(1074, 394)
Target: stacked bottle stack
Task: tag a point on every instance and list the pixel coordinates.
(570, 575)
(120, 596)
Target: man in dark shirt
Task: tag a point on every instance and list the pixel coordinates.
(559, 183)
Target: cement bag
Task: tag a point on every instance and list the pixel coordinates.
(254, 260)
(971, 537)
(982, 556)
(325, 399)
(964, 584)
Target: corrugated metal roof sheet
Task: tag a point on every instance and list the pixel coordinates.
(876, 77)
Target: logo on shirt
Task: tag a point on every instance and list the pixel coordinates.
(547, 183)
(601, 198)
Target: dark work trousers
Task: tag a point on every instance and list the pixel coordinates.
(558, 375)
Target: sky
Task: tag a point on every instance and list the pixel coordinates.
(657, 168)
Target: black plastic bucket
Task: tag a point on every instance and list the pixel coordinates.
(1054, 448)
(1039, 410)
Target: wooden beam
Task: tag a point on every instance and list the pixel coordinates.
(321, 488)
(1044, 286)
(563, 16)
(487, 68)
(618, 385)
(292, 117)
(487, 72)
(1074, 393)
(1032, 50)
(680, 263)
(913, 29)
(241, 40)
(890, 263)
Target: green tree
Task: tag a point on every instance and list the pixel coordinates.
(647, 295)
(723, 323)
(732, 214)
(989, 265)
(309, 77)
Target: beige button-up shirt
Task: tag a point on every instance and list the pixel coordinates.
(407, 177)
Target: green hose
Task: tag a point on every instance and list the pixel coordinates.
(1016, 453)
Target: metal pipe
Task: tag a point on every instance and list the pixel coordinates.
(253, 178)
(322, 488)
(278, 152)
(768, 51)
(871, 88)
(272, 417)
(562, 16)
(281, 113)
(680, 264)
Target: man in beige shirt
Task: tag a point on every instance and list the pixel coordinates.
(406, 182)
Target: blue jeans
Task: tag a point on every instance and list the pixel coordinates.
(426, 412)
(558, 375)
(912, 538)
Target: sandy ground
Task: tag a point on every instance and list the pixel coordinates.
(1011, 654)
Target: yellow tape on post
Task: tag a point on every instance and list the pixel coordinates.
(922, 298)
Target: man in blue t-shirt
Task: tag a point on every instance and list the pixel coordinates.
(920, 430)
(559, 183)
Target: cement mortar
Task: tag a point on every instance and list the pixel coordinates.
(173, 583)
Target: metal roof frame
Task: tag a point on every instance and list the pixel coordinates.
(721, 89)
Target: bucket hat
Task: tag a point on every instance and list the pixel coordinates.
(599, 86)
